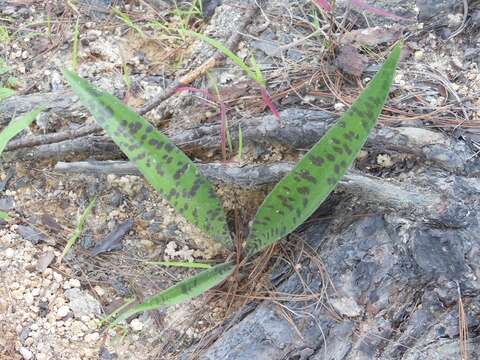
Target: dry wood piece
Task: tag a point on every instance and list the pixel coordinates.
(299, 130)
(59, 102)
(384, 195)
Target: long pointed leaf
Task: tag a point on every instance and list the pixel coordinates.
(301, 191)
(16, 126)
(165, 166)
(183, 291)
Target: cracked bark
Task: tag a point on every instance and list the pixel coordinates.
(299, 130)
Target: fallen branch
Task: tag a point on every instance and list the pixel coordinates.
(299, 130)
(380, 194)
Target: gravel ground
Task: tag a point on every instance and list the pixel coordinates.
(52, 310)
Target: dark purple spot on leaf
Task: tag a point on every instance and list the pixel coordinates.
(316, 160)
(303, 190)
(305, 174)
(135, 126)
(180, 172)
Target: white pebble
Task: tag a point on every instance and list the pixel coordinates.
(27, 354)
(58, 277)
(136, 325)
(62, 311)
(28, 298)
(9, 253)
(91, 338)
(74, 283)
(41, 356)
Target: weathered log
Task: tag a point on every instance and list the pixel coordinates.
(383, 195)
(57, 102)
(298, 130)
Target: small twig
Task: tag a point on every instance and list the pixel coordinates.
(464, 21)
(35, 140)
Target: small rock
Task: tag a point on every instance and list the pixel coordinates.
(105, 354)
(24, 334)
(81, 303)
(57, 277)
(75, 283)
(91, 338)
(31, 234)
(17, 294)
(62, 311)
(28, 298)
(27, 354)
(136, 325)
(6, 203)
(346, 306)
(9, 253)
(41, 356)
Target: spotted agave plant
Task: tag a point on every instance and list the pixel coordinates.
(177, 178)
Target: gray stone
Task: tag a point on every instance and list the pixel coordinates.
(82, 303)
(6, 203)
(31, 234)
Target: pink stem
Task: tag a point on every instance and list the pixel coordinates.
(324, 4)
(361, 4)
(223, 114)
(268, 101)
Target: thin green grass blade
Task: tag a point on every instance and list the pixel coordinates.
(76, 37)
(5, 93)
(230, 54)
(16, 126)
(183, 291)
(115, 312)
(301, 191)
(164, 166)
(4, 216)
(184, 264)
(78, 229)
(240, 143)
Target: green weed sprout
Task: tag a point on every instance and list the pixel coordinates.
(78, 229)
(178, 180)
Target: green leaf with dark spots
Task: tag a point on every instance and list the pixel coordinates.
(301, 191)
(164, 166)
(183, 291)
